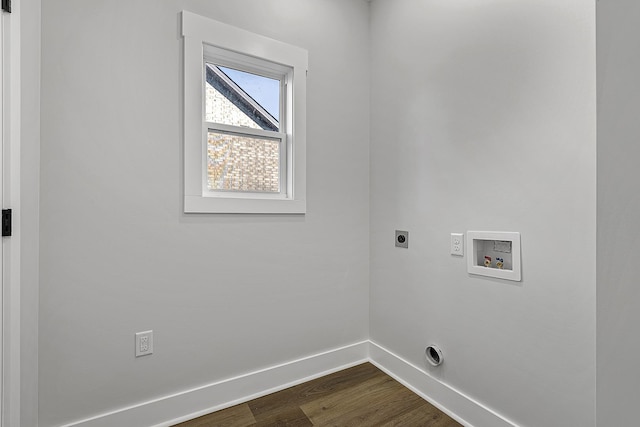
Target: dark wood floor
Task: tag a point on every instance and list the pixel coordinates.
(359, 396)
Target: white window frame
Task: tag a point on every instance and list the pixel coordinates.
(206, 40)
(284, 75)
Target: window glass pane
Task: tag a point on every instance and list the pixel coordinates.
(241, 163)
(239, 98)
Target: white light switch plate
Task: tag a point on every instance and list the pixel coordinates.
(457, 244)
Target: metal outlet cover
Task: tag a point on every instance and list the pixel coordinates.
(402, 239)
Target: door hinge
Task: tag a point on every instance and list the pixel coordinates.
(6, 5)
(6, 222)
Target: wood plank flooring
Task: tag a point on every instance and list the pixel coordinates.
(359, 396)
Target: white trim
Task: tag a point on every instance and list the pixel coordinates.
(3, 83)
(444, 397)
(172, 409)
(198, 204)
(11, 245)
(199, 33)
(199, 401)
(226, 36)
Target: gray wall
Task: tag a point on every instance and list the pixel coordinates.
(483, 118)
(618, 342)
(224, 294)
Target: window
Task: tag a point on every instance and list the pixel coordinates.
(244, 120)
(246, 151)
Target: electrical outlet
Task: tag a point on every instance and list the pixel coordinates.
(457, 244)
(402, 239)
(144, 343)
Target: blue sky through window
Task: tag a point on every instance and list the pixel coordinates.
(264, 90)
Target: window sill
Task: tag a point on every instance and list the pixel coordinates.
(199, 204)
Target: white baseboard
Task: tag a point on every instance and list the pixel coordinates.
(179, 407)
(462, 408)
(183, 406)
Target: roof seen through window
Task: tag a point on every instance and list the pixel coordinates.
(263, 90)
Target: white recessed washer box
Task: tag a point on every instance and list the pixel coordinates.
(494, 254)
